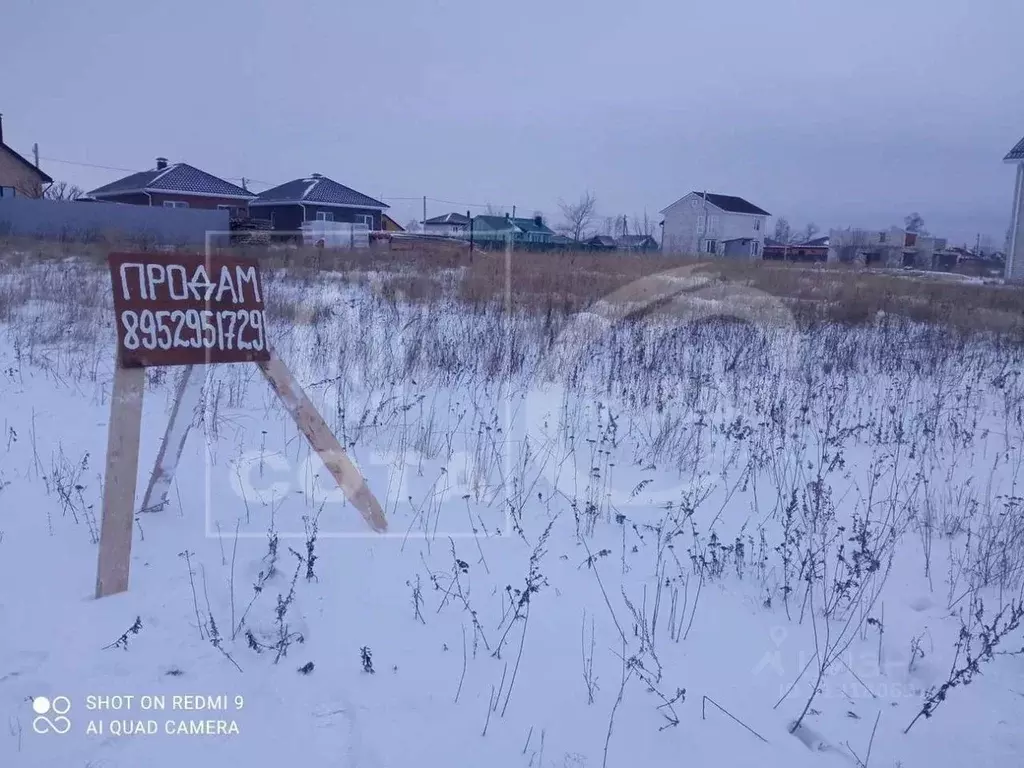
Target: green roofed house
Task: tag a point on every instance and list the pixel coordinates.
(499, 229)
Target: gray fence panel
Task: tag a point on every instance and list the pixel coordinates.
(90, 221)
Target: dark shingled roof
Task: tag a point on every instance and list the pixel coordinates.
(494, 222)
(1017, 153)
(317, 189)
(733, 204)
(449, 218)
(178, 177)
(531, 225)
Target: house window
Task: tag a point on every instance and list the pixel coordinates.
(710, 246)
(701, 221)
(757, 228)
(175, 204)
(363, 218)
(8, 192)
(881, 237)
(713, 226)
(324, 216)
(756, 247)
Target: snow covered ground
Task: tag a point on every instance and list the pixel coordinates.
(645, 544)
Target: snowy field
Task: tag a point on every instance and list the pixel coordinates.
(614, 540)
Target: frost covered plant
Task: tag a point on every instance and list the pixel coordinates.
(520, 598)
(976, 644)
(284, 636)
(122, 641)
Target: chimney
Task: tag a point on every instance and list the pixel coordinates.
(538, 220)
(506, 215)
(161, 163)
(316, 176)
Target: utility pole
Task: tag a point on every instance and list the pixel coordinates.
(35, 153)
(423, 224)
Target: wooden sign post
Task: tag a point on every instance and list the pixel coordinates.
(183, 310)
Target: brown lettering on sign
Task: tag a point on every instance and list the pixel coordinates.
(174, 309)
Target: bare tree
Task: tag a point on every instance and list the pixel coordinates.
(809, 232)
(850, 244)
(578, 216)
(616, 226)
(914, 223)
(63, 191)
(30, 188)
(783, 232)
(413, 225)
(643, 225)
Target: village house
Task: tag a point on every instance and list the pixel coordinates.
(890, 248)
(707, 223)
(812, 250)
(489, 229)
(176, 185)
(19, 177)
(316, 198)
(449, 225)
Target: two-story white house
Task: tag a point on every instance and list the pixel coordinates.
(703, 222)
(1015, 256)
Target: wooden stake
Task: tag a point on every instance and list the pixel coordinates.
(322, 440)
(186, 399)
(119, 486)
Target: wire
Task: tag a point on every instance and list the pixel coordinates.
(137, 170)
(470, 205)
(89, 165)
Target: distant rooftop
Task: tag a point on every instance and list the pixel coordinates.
(1017, 153)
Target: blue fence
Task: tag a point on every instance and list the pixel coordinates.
(96, 221)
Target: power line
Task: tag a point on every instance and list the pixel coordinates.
(470, 205)
(137, 170)
(89, 165)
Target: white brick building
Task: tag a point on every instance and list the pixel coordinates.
(707, 223)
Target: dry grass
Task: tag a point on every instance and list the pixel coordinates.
(566, 282)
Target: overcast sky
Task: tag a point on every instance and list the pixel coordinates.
(841, 112)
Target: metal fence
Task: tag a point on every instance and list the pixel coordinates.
(96, 221)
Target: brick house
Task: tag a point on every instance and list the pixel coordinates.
(19, 177)
(725, 225)
(176, 185)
